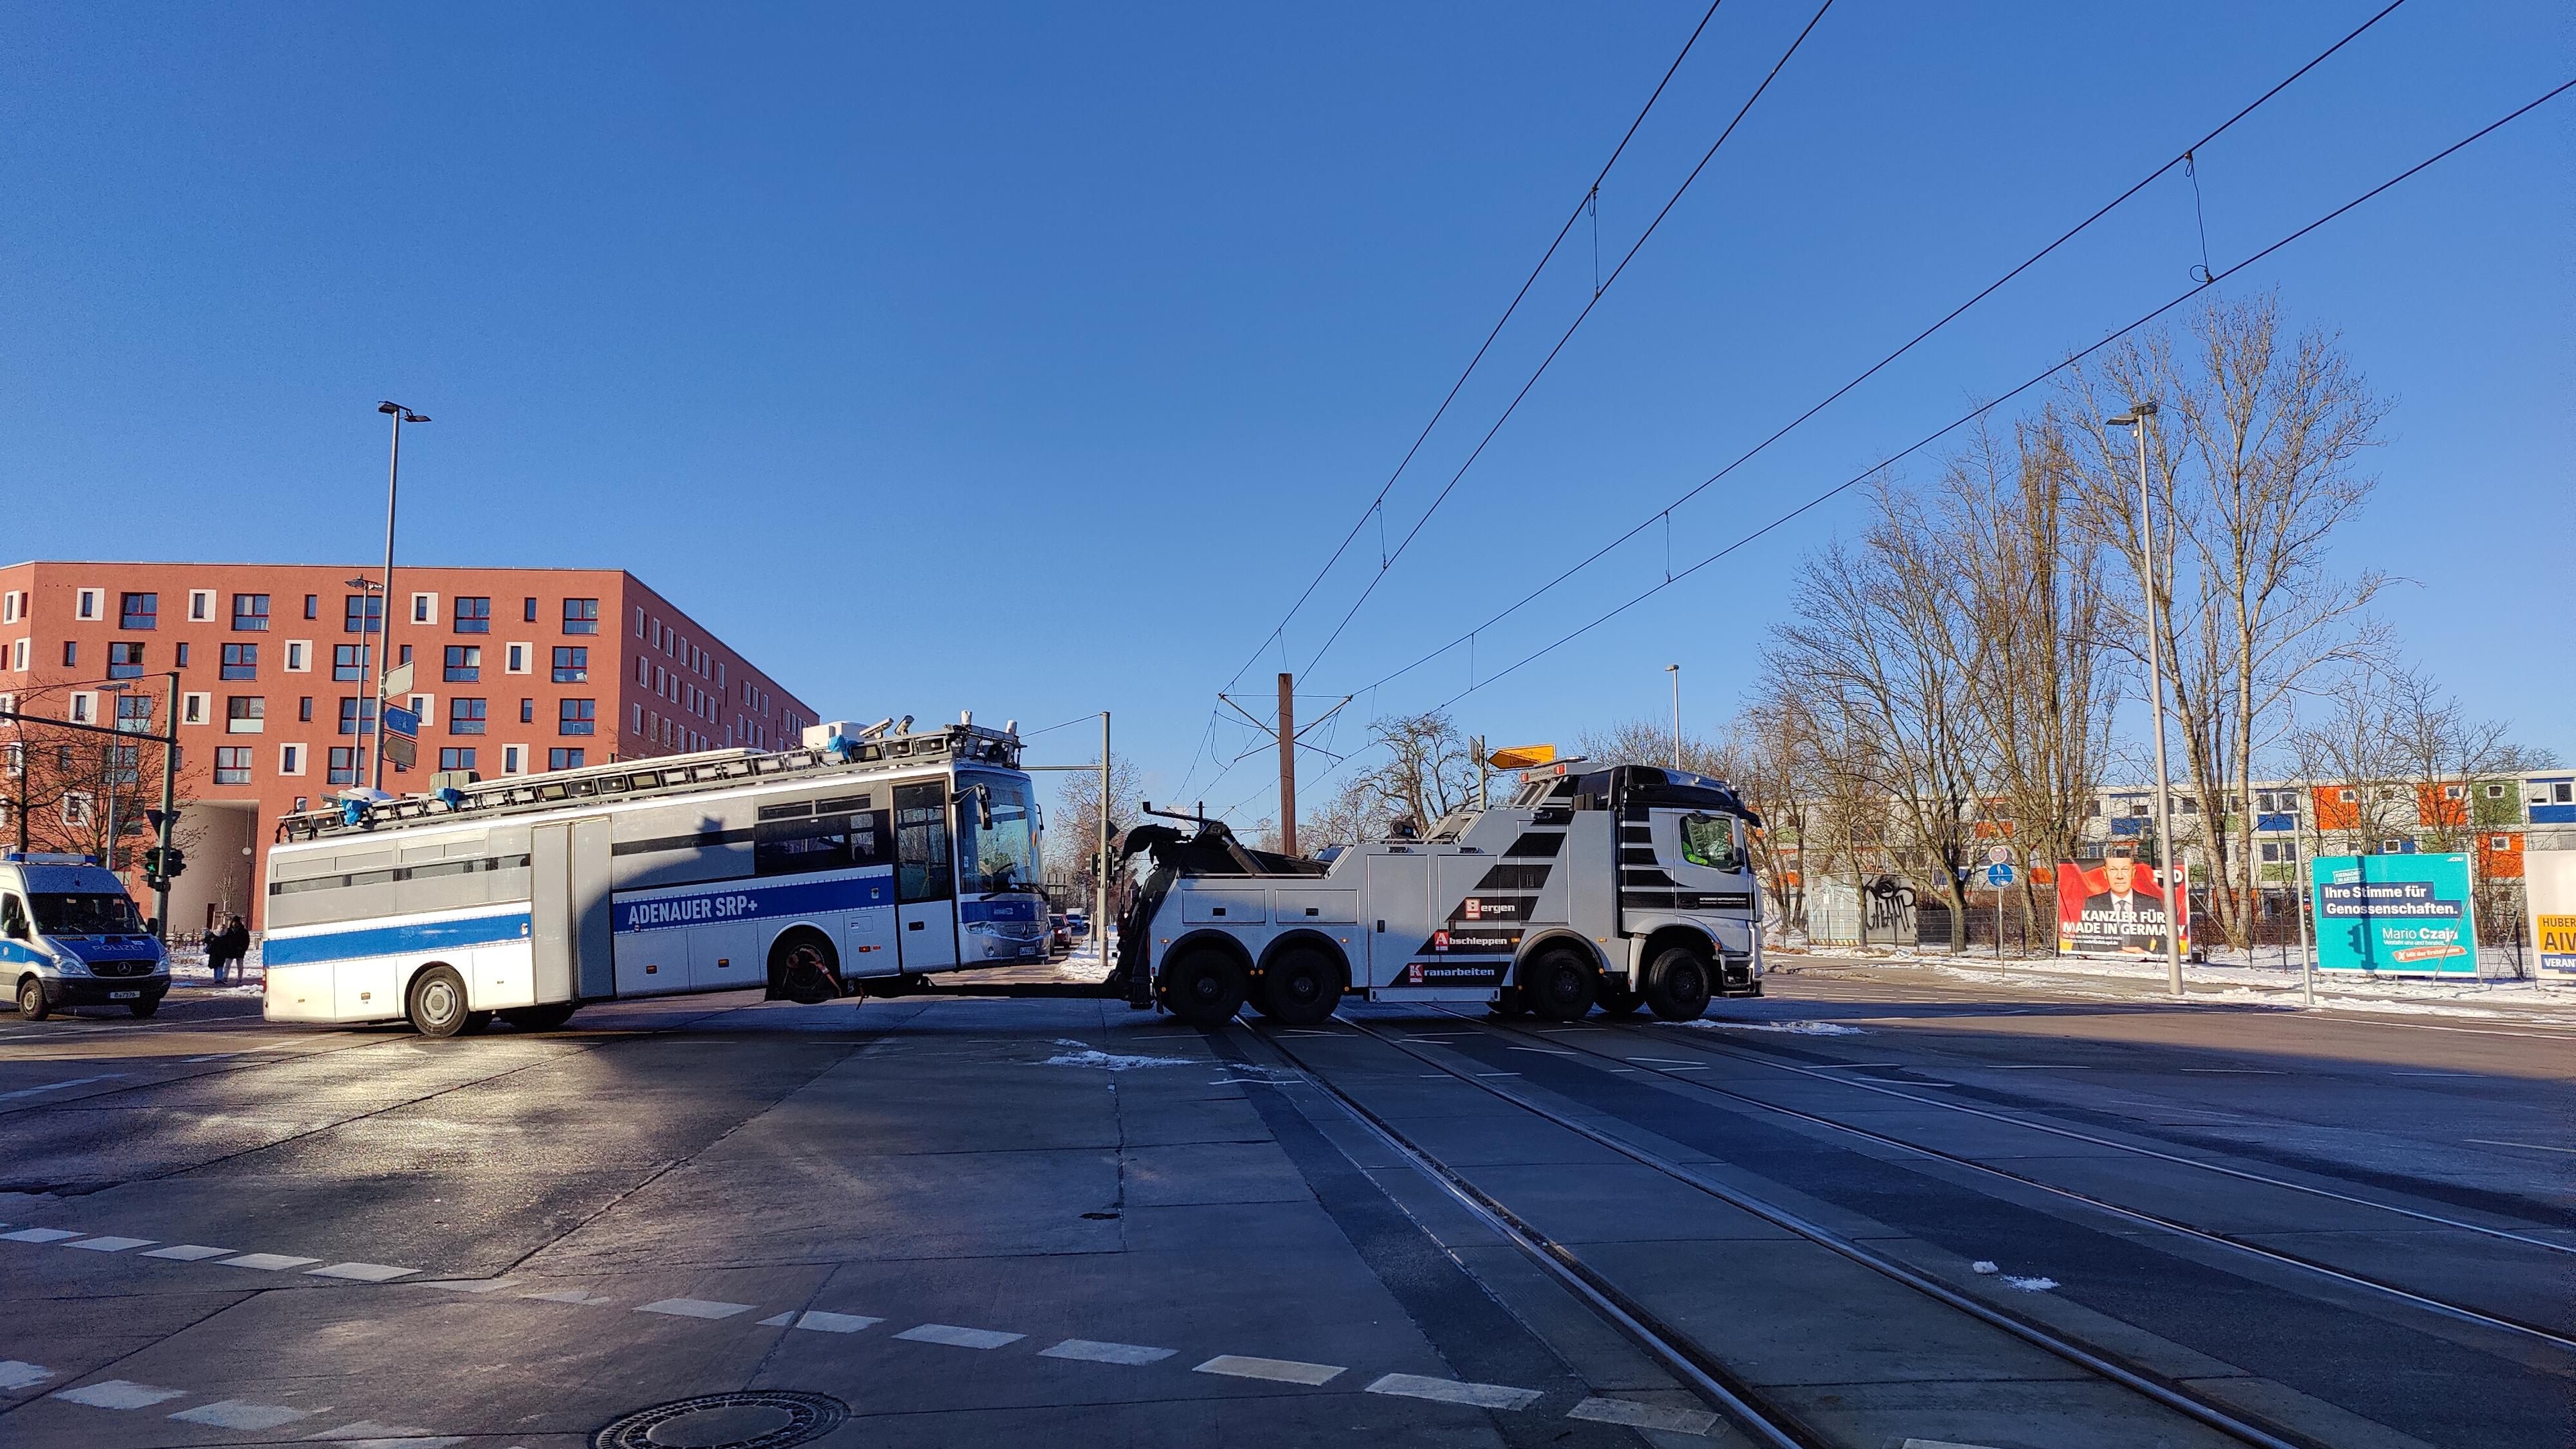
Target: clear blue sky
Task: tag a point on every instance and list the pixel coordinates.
(1030, 359)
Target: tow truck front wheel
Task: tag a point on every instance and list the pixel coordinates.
(1560, 986)
(1678, 985)
(1203, 987)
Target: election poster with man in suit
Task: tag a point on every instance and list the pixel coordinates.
(2118, 908)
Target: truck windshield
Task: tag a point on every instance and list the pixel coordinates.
(85, 913)
(1005, 857)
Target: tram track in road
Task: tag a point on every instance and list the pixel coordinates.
(1758, 1411)
(2456, 1311)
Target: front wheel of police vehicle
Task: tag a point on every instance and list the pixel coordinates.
(438, 1005)
(31, 1000)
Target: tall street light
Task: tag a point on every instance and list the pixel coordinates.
(1675, 671)
(2175, 886)
(385, 639)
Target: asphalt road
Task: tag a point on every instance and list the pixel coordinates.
(1867, 1209)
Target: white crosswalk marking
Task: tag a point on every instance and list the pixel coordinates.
(39, 1235)
(19, 1374)
(118, 1394)
(1643, 1416)
(1090, 1351)
(466, 1285)
(109, 1245)
(362, 1272)
(955, 1337)
(268, 1262)
(1277, 1370)
(239, 1414)
(694, 1308)
(1450, 1391)
(819, 1322)
(187, 1252)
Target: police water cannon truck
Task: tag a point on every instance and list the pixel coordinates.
(1609, 885)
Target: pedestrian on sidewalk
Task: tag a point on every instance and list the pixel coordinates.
(229, 944)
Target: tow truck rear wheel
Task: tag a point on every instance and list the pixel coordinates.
(1561, 985)
(1677, 985)
(1620, 1000)
(1301, 987)
(1203, 986)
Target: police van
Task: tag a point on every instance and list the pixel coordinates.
(70, 936)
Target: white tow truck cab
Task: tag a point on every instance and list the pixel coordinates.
(1609, 885)
(70, 936)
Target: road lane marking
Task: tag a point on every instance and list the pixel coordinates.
(187, 1252)
(1089, 1351)
(569, 1295)
(2534, 1146)
(368, 1434)
(61, 1086)
(18, 1373)
(361, 1272)
(1644, 1416)
(468, 1285)
(1277, 1370)
(268, 1262)
(118, 1394)
(819, 1322)
(1451, 1391)
(955, 1337)
(239, 1414)
(110, 1245)
(693, 1308)
(2234, 1072)
(1542, 1051)
(39, 1235)
(2031, 1067)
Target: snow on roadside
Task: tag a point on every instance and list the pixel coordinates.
(1094, 1057)
(1797, 1028)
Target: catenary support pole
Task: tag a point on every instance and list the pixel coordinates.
(1100, 880)
(1675, 671)
(2167, 851)
(169, 798)
(385, 629)
(1287, 765)
(2299, 903)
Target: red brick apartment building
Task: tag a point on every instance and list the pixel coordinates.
(514, 671)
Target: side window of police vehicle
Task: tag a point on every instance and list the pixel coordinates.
(1709, 840)
(13, 918)
(837, 841)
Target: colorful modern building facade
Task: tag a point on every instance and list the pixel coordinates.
(514, 671)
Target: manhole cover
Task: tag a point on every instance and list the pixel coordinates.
(758, 1419)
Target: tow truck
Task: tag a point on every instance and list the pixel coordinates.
(1609, 885)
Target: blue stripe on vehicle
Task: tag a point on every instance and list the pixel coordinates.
(408, 939)
(753, 901)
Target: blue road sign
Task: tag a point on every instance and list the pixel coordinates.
(400, 721)
(1999, 875)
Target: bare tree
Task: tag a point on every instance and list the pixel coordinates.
(2254, 462)
(1353, 814)
(2034, 587)
(1883, 660)
(2348, 746)
(67, 788)
(1073, 828)
(1430, 769)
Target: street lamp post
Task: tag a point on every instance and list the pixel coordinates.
(385, 632)
(1675, 671)
(2136, 417)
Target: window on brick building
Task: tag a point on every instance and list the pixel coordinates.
(577, 717)
(561, 759)
(348, 661)
(344, 766)
(474, 616)
(138, 611)
(466, 716)
(250, 613)
(572, 664)
(124, 659)
(232, 764)
(464, 663)
(456, 759)
(581, 616)
(363, 614)
(241, 661)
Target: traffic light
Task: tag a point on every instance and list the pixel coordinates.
(173, 861)
(152, 866)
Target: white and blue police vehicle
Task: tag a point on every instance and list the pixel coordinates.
(862, 863)
(70, 936)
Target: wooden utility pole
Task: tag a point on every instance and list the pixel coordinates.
(1287, 766)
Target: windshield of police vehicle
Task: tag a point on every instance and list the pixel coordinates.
(1005, 857)
(85, 913)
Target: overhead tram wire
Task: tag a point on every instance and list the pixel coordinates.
(2070, 360)
(1598, 292)
(1590, 193)
(1664, 514)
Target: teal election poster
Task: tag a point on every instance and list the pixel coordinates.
(2404, 915)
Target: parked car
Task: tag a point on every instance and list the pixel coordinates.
(1059, 935)
(70, 936)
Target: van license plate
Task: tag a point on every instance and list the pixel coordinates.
(124, 995)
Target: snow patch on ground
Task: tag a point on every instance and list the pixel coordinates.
(1982, 1266)
(1094, 1057)
(2031, 1285)
(1796, 1028)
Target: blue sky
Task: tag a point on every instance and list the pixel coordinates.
(1030, 360)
